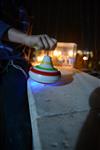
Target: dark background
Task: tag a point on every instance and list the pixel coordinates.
(69, 21)
(75, 21)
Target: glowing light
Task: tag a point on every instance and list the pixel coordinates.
(57, 53)
(40, 58)
(99, 62)
(79, 52)
(91, 54)
(39, 87)
(74, 54)
(85, 52)
(85, 58)
(70, 53)
(36, 86)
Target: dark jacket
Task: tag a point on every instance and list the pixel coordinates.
(15, 124)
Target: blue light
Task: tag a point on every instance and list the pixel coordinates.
(33, 83)
(36, 86)
(39, 87)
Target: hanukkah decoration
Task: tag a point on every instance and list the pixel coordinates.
(45, 72)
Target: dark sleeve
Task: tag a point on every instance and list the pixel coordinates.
(3, 28)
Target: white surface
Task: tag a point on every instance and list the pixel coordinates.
(34, 116)
(60, 102)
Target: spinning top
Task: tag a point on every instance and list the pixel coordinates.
(45, 72)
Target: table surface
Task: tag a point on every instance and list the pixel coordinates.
(59, 110)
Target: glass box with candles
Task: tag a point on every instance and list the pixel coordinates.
(63, 55)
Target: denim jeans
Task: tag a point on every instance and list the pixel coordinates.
(15, 124)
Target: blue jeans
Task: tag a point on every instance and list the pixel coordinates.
(15, 124)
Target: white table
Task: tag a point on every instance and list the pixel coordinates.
(59, 110)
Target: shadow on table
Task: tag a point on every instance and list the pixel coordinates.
(89, 137)
(65, 79)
